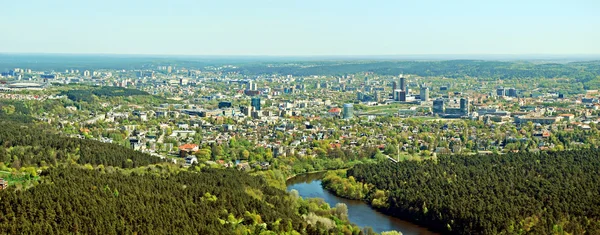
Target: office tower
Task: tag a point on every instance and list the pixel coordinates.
(394, 86)
(500, 92)
(512, 92)
(402, 96)
(396, 95)
(348, 111)
(438, 106)
(169, 69)
(464, 106)
(402, 83)
(250, 85)
(255, 102)
(424, 94)
(86, 73)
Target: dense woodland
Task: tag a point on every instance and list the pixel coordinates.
(30, 145)
(87, 95)
(74, 200)
(582, 71)
(545, 193)
(213, 201)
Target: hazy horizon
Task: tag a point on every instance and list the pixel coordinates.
(301, 28)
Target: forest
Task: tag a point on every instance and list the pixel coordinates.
(23, 145)
(582, 71)
(72, 200)
(538, 193)
(105, 91)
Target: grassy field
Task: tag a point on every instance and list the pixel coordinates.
(18, 178)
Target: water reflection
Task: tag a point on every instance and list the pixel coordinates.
(309, 186)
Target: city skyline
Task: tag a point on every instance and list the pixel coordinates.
(309, 28)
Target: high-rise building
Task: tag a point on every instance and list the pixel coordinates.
(424, 94)
(169, 69)
(402, 96)
(500, 92)
(464, 106)
(348, 111)
(438, 106)
(250, 85)
(402, 83)
(394, 86)
(255, 102)
(512, 92)
(396, 95)
(86, 73)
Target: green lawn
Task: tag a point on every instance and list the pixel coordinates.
(17, 178)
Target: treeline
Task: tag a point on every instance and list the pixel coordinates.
(546, 193)
(30, 145)
(87, 95)
(582, 71)
(80, 201)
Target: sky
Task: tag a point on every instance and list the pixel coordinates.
(301, 28)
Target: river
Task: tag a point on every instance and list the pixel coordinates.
(359, 213)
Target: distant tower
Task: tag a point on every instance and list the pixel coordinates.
(402, 83)
(424, 94)
(255, 102)
(512, 92)
(250, 85)
(438, 106)
(396, 94)
(500, 91)
(464, 106)
(394, 86)
(402, 96)
(348, 111)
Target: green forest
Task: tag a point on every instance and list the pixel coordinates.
(582, 71)
(537, 193)
(71, 200)
(105, 91)
(161, 200)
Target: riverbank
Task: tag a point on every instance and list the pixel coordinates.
(312, 172)
(359, 212)
(338, 184)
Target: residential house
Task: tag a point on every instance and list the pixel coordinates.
(190, 160)
(3, 184)
(186, 149)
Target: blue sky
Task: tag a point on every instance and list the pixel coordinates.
(308, 27)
